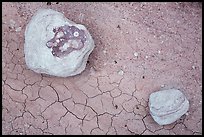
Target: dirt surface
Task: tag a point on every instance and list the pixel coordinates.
(140, 48)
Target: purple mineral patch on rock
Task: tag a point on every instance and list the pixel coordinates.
(66, 39)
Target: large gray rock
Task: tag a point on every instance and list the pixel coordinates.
(167, 106)
(56, 46)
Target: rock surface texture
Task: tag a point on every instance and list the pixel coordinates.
(56, 46)
(167, 106)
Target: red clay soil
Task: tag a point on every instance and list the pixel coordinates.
(140, 48)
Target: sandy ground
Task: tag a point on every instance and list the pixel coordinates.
(140, 48)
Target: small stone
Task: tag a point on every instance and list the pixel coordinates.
(12, 23)
(136, 54)
(55, 45)
(26, 125)
(167, 106)
(92, 70)
(159, 51)
(18, 29)
(146, 57)
(104, 51)
(121, 72)
(193, 67)
(162, 86)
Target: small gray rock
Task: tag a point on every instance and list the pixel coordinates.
(55, 45)
(167, 106)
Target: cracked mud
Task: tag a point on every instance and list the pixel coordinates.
(140, 48)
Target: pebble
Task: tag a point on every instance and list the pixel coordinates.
(18, 29)
(193, 67)
(136, 54)
(121, 72)
(92, 71)
(12, 23)
(162, 86)
(104, 51)
(167, 106)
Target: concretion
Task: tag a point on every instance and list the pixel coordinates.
(55, 45)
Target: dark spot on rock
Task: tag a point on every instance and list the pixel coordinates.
(57, 2)
(115, 61)
(54, 30)
(88, 62)
(125, 125)
(137, 107)
(48, 3)
(143, 77)
(17, 49)
(116, 106)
